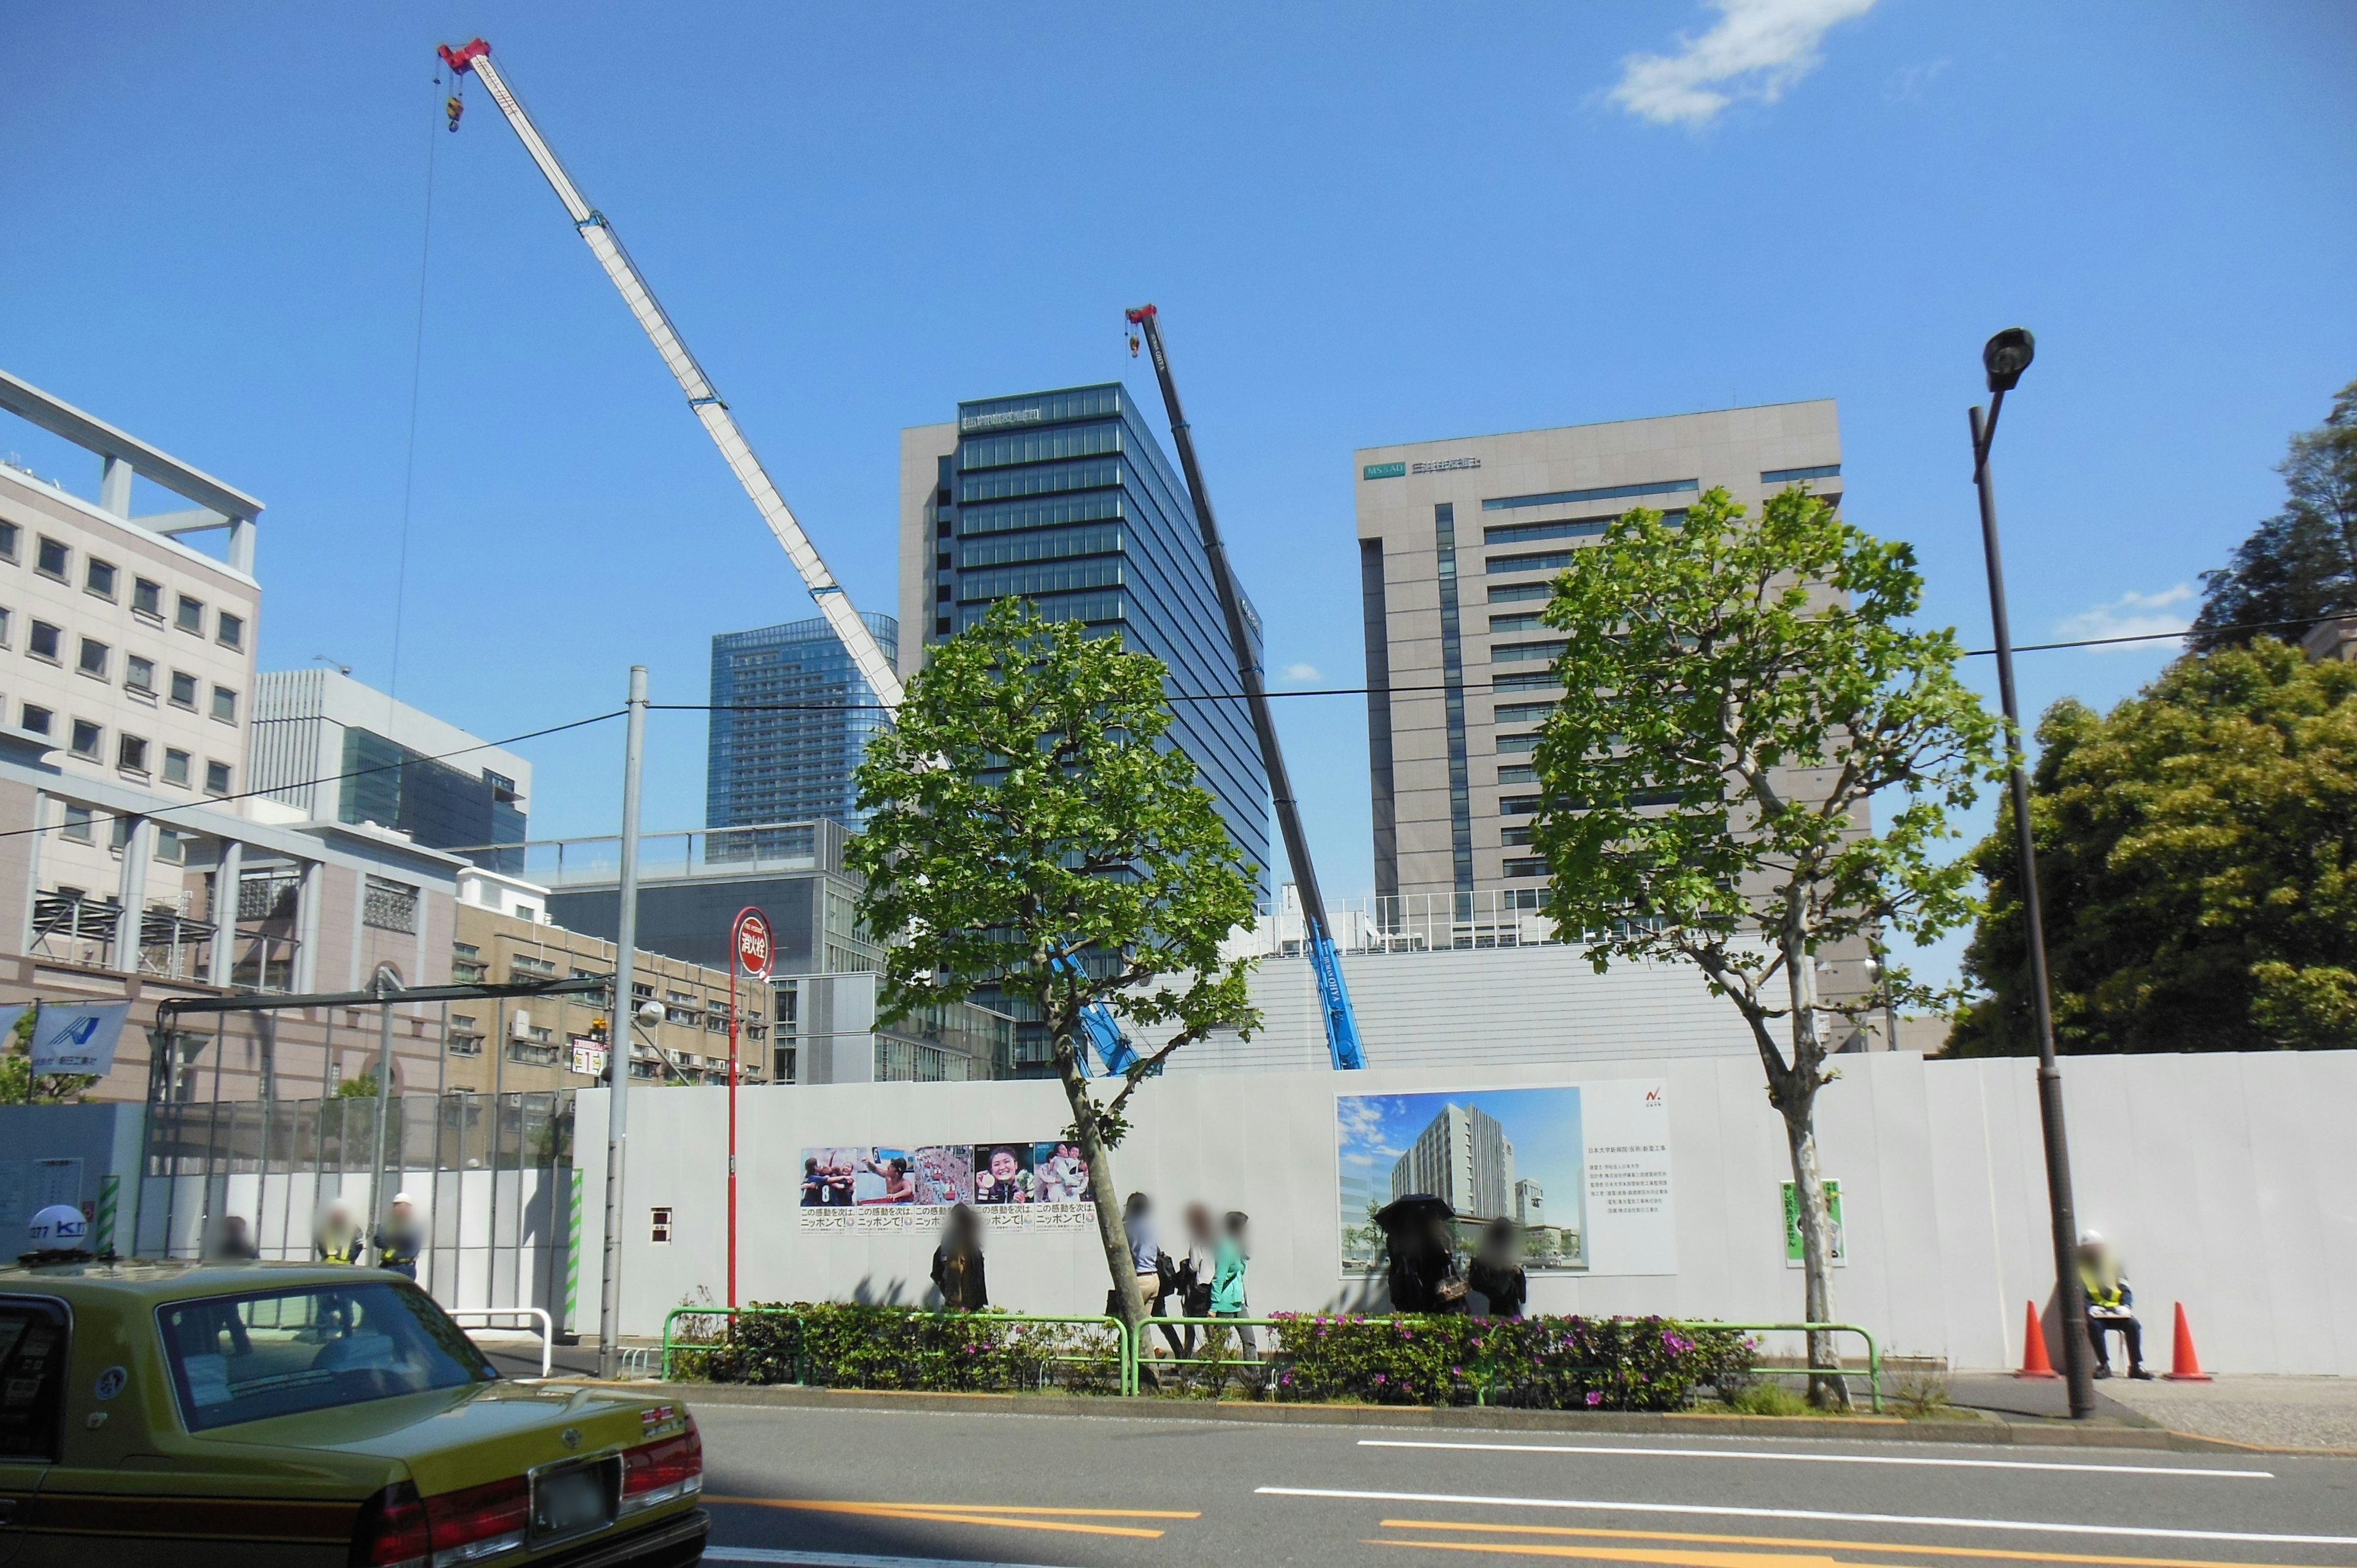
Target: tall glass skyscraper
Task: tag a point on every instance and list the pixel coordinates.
(795, 762)
(1065, 498)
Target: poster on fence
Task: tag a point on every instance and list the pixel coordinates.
(1582, 1171)
(884, 1186)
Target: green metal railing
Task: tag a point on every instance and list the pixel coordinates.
(1124, 1346)
(1210, 1338)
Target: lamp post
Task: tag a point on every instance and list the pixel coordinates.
(2005, 356)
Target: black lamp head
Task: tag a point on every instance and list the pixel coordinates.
(2006, 355)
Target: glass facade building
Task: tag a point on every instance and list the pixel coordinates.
(440, 806)
(1065, 498)
(796, 762)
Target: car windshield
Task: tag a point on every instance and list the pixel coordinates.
(243, 1358)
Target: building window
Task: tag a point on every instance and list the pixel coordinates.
(139, 674)
(175, 767)
(44, 642)
(1518, 773)
(659, 1227)
(229, 629)
(5, 620)
(1523, 713)
(184, 689)
(225, 704)
(389, 905)
(527, 968)
(98, 577)
(1508, 742)
(77, 824)
(1452, 676)
(189, 614)
(1531, 867)
(1788, 476)
(464, 1044)
(38, 719)
(148, 598)
(216, 777)
(87, 738)
(92, 658)
(131, 752)
(52, 559)
(7, 541)
(171, 847)
(1511, 836)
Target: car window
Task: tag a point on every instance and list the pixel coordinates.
(32, 1379)
(244, 1358)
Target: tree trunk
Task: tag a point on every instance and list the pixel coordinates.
(1093, 1148)
(1797, 1098)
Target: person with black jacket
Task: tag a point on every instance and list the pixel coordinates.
(1496, 1271)
(957, 1263)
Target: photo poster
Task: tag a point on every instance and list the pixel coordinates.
(1793, 1257)
(1583, 1170)
(911, 1187)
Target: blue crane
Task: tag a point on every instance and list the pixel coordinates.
(1318, 937)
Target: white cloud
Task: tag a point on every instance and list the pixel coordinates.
(2132, 615)
(1301, 672)
(1756, 49)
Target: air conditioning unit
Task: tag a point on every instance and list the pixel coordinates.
(520, 1025)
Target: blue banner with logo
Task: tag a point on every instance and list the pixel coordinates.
(79, 1037)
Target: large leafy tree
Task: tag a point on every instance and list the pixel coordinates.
(2300, 564)
(1735, 696)
(1030, 832)
(2197, 849)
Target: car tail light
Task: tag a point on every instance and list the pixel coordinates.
(392, 1532)
(663, 1471)
(480, 1522)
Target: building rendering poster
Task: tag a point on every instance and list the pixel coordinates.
(1582, 1169)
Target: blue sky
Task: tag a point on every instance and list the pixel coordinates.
(1363, 223)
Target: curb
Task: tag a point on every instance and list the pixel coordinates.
(1855, 1428)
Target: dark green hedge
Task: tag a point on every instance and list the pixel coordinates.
(1540, 1363)
(847, 1345)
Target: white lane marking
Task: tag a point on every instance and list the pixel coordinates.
(1821, 1458)
(839, 1559)
(2034, 1526)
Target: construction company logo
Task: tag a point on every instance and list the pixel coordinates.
(970, 421)
(1653, 1098)
(754, 946)
(78, 1038)
(1383, 471)
(1445, 466)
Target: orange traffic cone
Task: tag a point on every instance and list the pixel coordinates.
(2034, 1363)
(2185, 1367)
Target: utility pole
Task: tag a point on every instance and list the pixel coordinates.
(618, 1031)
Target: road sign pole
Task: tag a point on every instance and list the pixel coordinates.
(749, 949)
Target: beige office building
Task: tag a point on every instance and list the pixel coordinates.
(1459, 540)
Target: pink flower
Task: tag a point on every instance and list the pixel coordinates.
(1595, 1397)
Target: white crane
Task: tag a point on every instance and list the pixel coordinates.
(866, 652)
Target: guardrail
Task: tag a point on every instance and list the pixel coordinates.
(1124, 1345)
(1206, 1332)
(547, 1326)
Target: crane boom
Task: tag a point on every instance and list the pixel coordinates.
(1325, 957)
(867, 653)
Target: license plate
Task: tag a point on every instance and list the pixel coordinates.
(568, 1502)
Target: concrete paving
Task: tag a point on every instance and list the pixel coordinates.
(2273, 1413)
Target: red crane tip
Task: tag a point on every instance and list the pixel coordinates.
(462, 57)
(1140, 314)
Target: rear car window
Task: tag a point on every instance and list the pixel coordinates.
(243, 1357)
(32, 1374)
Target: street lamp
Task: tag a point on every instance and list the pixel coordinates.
(2005, 356)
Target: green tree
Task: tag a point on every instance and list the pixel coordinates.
(2197, 851)
(19, 1085)
(1735, 696)
(2300, 564)
(1025, 808)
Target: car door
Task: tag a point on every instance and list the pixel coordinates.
(34, 1340)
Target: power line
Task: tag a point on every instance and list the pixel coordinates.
(1474, 686)
(212, 800)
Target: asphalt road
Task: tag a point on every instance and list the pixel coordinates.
(835, 1488)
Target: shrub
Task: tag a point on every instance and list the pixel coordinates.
(844, 1345)
(1767, 1398)
(1540, 1363)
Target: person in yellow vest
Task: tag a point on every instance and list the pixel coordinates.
(339, 1238)
(2111, 1305)
(399, 1238)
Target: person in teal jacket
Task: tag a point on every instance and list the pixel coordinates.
(1228, 1280)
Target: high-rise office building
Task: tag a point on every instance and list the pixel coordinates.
(1065, 498)
(1458, 541)
(791, 754)
(1464, 1158)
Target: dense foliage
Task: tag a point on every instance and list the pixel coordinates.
(849, 1345)
(2300, 564)
(1541, 1363)
(2197, 851)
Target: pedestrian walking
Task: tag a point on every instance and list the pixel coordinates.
(1228, 1280)
(1496, 1273)
(957, 1263)
(1197, 1269)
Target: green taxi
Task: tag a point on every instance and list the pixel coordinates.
(270, 1414)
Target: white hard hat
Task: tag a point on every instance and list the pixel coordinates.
(404, 1197)
(58, 1227)
(2091, 1238)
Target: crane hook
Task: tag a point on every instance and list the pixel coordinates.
(454, 106)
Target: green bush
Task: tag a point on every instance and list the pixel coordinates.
(847, 1345)
(1536, 1363)
(1767, 1398)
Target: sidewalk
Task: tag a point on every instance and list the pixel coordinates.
(2274, 1413)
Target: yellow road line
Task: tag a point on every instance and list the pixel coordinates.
(2000, 1554)
(956, 1513)
(1689, 1559)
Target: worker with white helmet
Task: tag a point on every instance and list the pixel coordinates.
(399, 1238)
(2111, 1305)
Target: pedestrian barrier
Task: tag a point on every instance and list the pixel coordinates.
(1873, 1352)
(548, 1328)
